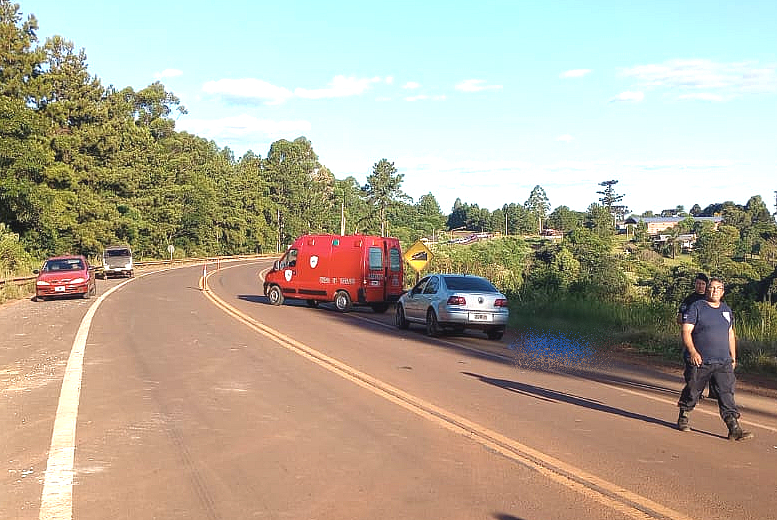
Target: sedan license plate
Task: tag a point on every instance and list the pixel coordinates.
(475, 316)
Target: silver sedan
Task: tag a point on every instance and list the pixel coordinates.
(454, 302)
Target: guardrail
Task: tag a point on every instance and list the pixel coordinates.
(22, 280)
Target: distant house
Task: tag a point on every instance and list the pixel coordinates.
(657, 224)
(685, 242)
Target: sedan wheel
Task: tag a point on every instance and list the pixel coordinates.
(399, 320)
(495, 334)
(432, 326)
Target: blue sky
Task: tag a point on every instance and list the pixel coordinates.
(478, 100)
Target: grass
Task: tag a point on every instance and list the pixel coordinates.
(646, 327)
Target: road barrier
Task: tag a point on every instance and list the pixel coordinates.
(22, 280)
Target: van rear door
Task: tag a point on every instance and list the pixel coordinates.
(375, 286)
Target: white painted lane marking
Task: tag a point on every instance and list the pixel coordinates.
(57, 497)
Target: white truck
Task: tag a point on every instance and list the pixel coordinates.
(117, 261)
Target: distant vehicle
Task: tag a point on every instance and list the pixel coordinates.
(69, 275)
(345, 269)
(117, 260)
(454, 302)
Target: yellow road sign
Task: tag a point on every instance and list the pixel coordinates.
(418, 256)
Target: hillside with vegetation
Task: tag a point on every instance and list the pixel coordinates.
(84, 165)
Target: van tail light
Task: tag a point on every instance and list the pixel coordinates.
(500, 302)
(457, 300)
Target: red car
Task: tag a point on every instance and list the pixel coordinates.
(65, 276)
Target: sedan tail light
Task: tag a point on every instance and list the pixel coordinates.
(457, 300)
(500, 302)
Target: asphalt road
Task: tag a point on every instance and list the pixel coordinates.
(213, 404)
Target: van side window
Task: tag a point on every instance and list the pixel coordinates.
(290, 260)
(394, 260)
(376, 258)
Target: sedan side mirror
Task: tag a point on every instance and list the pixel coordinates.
(35, 271)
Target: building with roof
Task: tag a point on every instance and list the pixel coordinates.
(657, 224)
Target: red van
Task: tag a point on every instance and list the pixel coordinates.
(345, 269)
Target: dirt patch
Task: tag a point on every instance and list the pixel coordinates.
(758, 384)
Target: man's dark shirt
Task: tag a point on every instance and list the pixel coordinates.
(710, 331)
(690, 299)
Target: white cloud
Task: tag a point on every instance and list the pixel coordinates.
(575, 73)
(243, 128)
(707, 76)
(252, 90)
(476, 85)
(629, 96)
(411, 85)
(703, 96)
(340, 86)
(424, 97)
(566, 138)
(168, 73)
(247, 90)
(389, 80)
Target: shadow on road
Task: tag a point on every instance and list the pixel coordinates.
(548, 395)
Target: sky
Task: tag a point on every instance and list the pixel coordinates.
(482, 101)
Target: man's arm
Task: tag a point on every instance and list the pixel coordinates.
(732, 345)
(694, 355)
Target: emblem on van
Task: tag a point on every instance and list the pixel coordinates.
(313, 261)
(287, 275)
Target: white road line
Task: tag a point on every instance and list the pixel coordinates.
(57, 497)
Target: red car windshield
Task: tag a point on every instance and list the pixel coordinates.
(66, 264)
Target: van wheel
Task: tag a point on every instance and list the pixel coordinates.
(400, 321)
(275, 295)
(312, 303)
(343, 301)
(432, 326)
(380, 308)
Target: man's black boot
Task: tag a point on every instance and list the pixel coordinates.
(735, 432)
(683, 421)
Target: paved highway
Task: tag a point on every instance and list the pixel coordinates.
(163, 400)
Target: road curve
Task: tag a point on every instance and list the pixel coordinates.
(189, 411)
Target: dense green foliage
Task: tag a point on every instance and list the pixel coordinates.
(83, 166)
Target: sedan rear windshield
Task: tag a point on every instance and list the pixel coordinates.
(469, 283)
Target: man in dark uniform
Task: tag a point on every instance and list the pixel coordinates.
(699, 293)
(710, 353)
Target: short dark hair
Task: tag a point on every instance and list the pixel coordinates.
(717, 279)
(702, 277)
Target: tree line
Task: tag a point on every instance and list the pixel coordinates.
(84, 165)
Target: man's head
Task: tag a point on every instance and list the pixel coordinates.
(700, 283)
(715, 290)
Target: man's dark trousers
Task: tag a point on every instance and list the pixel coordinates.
(696, 380)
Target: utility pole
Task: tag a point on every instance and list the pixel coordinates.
(342, 218)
